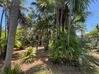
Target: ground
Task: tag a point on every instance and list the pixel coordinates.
(42, 65)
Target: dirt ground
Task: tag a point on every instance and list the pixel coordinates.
(42, 65)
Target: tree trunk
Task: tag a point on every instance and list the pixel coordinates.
(13, 22)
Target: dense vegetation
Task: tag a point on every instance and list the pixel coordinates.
(52, 24)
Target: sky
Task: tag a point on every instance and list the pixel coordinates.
(93, 18)
(91, 21)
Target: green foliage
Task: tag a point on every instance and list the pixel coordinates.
(24, 37)
(18, 44)
(60, 50)
(93, 38)
(29, 55)
(15, 70)
(94, 33)
(3, 40)
(18, 40)
(3, 43)
(27, 36)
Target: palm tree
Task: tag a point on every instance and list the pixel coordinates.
(15, 16)
(67, 10)
(13, 22)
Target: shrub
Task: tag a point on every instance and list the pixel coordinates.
(60, 51)
(29, 55)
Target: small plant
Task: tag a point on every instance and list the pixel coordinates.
(15, 70)
(29, 55)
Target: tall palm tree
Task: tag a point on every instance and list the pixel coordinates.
(15, 16)
(13, 22)
(67, 10)
(8, 7)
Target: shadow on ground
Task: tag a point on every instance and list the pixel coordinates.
(47, 67)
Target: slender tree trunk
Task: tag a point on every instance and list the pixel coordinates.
(13, 22)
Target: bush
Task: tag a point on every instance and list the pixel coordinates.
(60, 51)
(29, 55)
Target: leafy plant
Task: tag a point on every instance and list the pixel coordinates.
(29, 55)
(60, 51)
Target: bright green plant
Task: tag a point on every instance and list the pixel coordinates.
(29, 55)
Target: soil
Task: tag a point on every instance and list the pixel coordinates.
(42, 64)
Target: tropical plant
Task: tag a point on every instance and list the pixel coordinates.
(29, 55)
(67, 15)
(59, 50)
